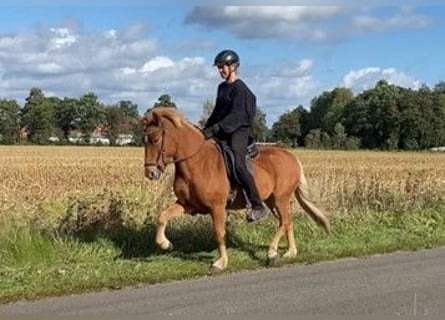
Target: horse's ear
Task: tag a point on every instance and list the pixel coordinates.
(156, 117)
(144, 120)
(150, 117)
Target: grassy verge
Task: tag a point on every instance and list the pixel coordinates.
(97, 245)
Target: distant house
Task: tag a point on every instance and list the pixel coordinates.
(75, 136)
(124, 139)
(99, 140)
(100, 135)
(75, 139)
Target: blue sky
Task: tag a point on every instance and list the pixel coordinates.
(289, 54)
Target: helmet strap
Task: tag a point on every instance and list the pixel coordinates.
(229, 76)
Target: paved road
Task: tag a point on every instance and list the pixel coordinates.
(401, 283)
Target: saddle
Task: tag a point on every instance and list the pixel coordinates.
(229, 161)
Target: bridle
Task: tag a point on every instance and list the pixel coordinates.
(161, 158)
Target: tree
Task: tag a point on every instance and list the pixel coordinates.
(260, 131)
(327, 109)
(385, 106)
(305, 125)
(374, 117)
(92, 113)
(317, 139)
(129, 108)
(436, 120)
(164, 101)
(207, 109)
(68, 116)
(287, 129)
(38, 116)
(357, 120)
(9, 121)
(122, 118)
(412, 121)
(341, 97)
(340, 140)
(440, 87)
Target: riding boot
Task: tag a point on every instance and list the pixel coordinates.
(238, 143)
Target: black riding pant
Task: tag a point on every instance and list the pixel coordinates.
(238, 141)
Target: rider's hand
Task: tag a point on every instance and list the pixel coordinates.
(211, 131)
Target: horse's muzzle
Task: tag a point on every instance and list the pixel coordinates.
(153, 173)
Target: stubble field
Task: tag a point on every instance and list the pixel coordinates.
(341, 181)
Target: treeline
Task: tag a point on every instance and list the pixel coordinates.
(386, 117)
(43, 118)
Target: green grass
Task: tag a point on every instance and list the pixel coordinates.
(97, 245)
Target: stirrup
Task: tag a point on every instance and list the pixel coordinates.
(256, 214)
(231, 198)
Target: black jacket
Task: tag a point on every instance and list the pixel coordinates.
(235, 107)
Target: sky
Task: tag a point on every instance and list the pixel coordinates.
(289, 54)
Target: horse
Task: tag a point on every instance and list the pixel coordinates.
(201, 183)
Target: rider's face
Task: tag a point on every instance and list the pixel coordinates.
(225, 71)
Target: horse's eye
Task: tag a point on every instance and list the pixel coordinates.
(146, 139)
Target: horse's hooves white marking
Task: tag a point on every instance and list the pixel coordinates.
(166, 246)
(290, 255)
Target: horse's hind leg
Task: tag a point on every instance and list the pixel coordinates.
(173, 211)
(286, 227)
(291, 248)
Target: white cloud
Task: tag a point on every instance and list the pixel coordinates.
(301, 68)
(283, 87)
(157, 63)
(50, 68)
(287, 13)
(7, 42)
(62, 37)
(405, 19)
(111, 34)
(298, 22)
(305, 23)
(69, 61)
(366, 78)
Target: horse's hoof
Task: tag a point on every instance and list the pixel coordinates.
(273, 261)
(215, 271)
(166, 246)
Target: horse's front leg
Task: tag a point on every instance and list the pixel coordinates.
(219, 227)
(175, 210)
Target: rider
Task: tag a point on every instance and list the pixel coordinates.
(231, 120)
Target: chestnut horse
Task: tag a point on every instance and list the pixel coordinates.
(201, 184)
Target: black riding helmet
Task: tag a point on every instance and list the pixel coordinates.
(226, 57)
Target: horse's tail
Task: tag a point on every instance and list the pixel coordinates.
(301, 192)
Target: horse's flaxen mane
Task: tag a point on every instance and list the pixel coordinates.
(173, 115)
